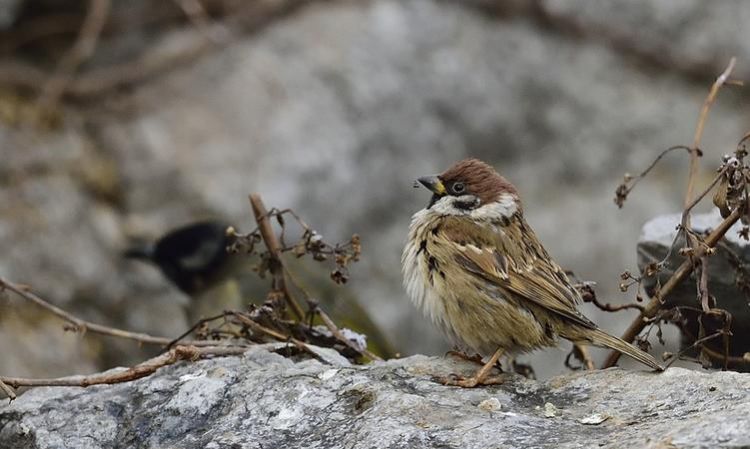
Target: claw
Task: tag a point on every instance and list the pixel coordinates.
(476, 358)
(480, 378)
(455, 380)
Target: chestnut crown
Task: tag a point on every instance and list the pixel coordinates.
(474, 177)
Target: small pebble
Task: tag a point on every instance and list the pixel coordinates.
(596, 418)
(490, 405)
(327, 374)
(550, 411)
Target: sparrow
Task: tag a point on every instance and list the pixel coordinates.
(476, 268)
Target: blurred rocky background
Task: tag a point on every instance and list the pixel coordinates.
(133, 118)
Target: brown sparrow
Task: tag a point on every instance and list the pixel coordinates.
(476, 268)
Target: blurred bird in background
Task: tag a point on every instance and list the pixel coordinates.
(194, 258)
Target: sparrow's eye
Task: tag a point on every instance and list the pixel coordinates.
(458, 188)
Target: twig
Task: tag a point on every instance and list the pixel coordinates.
(650, 310)
(78, 325)
(274, 334)
(695, 344)
(81, 50)
(607, 307)
(274, 251)
(329, 323)
(623, 190)
(135, 372)
(339, 336)
(697, 252)
(192, 328)
(694, 150)
(703, 284)
(589, 295)
(734, 360)
(7, 390)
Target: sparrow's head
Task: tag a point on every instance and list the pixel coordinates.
(471, 187)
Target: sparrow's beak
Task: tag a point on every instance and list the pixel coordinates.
(433, 183)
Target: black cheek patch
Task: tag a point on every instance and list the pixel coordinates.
(466, 205)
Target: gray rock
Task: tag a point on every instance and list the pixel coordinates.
(691, 35)
(262, 400)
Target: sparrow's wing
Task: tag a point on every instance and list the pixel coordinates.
(512, 259)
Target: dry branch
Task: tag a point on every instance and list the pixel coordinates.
(78, 325)
(7, 390)
(696, 250)
(138, 371)
(653, 306)
(274, 250)
(694, 150)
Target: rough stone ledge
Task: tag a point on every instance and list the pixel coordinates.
(263, 400)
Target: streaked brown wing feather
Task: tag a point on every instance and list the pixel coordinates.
(514, 261)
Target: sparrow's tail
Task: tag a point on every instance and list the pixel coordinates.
(598, 337)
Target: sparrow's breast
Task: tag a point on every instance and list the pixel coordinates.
(473, 312)
(419, 270)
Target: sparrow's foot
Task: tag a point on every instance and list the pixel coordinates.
(482, 377)
(476, 358)
(455, 380)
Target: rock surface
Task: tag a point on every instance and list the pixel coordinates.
(263, 400)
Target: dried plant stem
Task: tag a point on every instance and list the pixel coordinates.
(328, 322)
(274, 334)
(7, 390)
(138, 371)
(653, 164)
(340, 337)
(653, 306)
(694, 150)
(703, 284)
(724, 357)
(274, 250)
(80, 325)
(696, 344)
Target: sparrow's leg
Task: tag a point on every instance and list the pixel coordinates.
(476, 358)
(582, 353)
(480, 378)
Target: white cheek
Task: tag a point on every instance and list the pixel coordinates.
(505, 207)
(445, 205)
